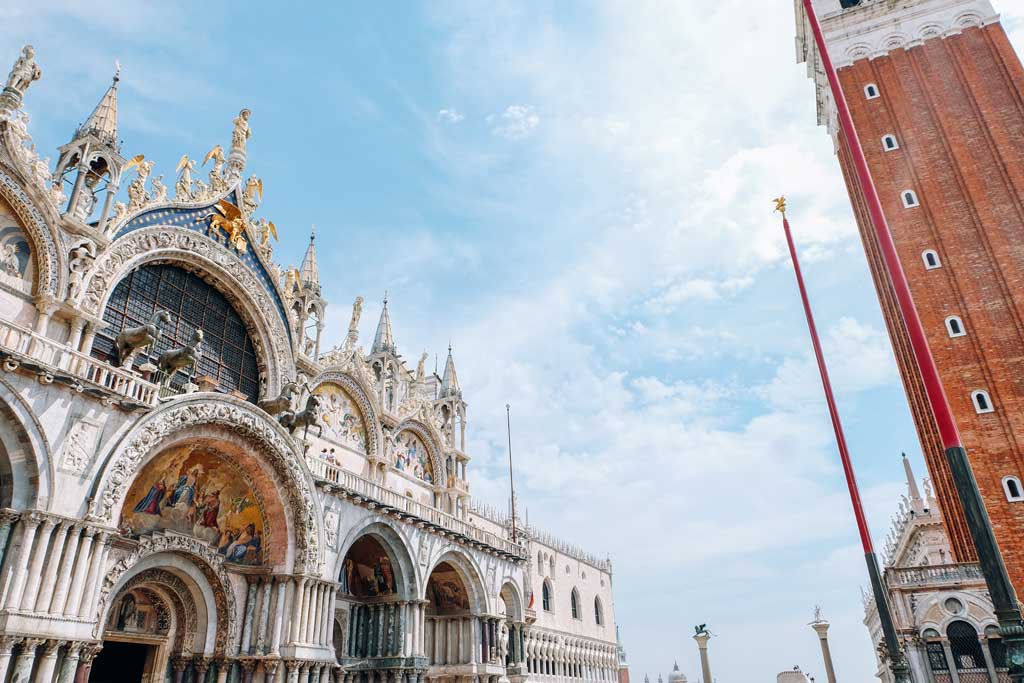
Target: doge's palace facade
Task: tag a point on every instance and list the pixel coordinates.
(191, 489)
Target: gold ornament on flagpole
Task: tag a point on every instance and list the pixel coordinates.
(780, 204)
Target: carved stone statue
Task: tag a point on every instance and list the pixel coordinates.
(137, 195)
(183, 188)
(159, 190)
(421, 371)
(176, 359)
(502, 643)
(217, 182)
(133, 339)
(241, 133)
(306, 418)
(24, 72)
(10, 262)
(86, 198)
(252, 195)
(80, 261)
(120, 211)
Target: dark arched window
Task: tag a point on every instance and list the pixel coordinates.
(598, 612)
(966, 648)
(227, 353)
(574, 604)
(546, 596)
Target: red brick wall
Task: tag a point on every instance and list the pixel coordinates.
(624, 674)
(956, 107)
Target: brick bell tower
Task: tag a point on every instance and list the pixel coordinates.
(937, 96)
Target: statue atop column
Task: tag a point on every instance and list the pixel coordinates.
(24, 72)
(353, 325)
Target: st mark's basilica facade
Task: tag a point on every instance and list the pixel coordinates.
(192, 489)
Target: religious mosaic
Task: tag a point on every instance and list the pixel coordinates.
(367, 570)
(197, 492)
(445, 590)
(341, 419)
(140, 611)
(410, 455)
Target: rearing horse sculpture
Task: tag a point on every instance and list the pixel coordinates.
(132, 340)
(309, 417)
(275, 406)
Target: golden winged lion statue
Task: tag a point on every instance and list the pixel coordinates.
(230, 221)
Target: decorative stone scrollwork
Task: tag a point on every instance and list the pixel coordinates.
(49, 262)
(182, 599)
(211, 564)
(239, 418)
(236, 281)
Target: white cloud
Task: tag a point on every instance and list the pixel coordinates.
(515, 123)
(452, 116)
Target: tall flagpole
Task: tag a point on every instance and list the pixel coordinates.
(1004, 599)
(897, 662)
(511, 479)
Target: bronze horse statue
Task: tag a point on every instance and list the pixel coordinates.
(133, 339)
(176, 359)
(275, 406)
(309, 417)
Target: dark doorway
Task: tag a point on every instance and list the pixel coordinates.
(119, 663)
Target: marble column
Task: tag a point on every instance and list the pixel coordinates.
(223, 667)
(821, 628)
(201, 665)
(79, 572)
(19, 566)
(950, 661)
(8, 518)
(178, 665)
(90, 594)
(250, 608)
(60, 593)
(293, 671)
(6, 646)
(26, 658)
(248, 667)
(28, 598)
(48, 662)
(270, 667)
(261, 633)
(702, 645)
(275, 640)
(69, 666)
(54, 562)
(88, 653)
(989, 663)
(295, 626)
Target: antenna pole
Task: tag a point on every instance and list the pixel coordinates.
(511, 480)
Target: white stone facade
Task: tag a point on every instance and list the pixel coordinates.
(158, 523)
(941, 609)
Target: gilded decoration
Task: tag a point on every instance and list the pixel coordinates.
(342, 421)
(410, 455)
(355, 391)
(198, 492)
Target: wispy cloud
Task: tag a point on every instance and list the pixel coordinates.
(450, 116)
(515, 123)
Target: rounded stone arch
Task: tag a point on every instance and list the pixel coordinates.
(395, 545)
(935, 615)
(430, 437)
(50, 260)
(362, 396)
(196, 574)
(25, 456)
(511, 596)
(247, 434)
(969, 20)
(470, 574)
(217, 265)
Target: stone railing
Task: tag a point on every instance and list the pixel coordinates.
(55, 361)
(376, 493)
(935, 574)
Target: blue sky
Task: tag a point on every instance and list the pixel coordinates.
(578, 197)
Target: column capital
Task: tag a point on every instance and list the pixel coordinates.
(89, 651)
(50, 647)
(31, 643)
(7, 644)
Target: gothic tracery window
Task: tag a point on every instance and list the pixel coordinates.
(227, 351)
(546, 596)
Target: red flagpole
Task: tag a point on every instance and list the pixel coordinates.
(897, 662)
(837, 425)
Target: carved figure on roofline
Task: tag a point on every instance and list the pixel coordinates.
(306, 418)
(266, 229)
(241, 133)
(80, 261)
(421, 371)
(252, 195)
(159, 190)
(230, 221)
(137, 195)
(24, 72)
(120, 213)
(218, 184)
(133, 339)
(183, 188)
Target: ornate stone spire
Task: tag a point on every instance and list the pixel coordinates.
(450, 380)
(384, 340)
(917, 503)
(102, 122)
(309, 271)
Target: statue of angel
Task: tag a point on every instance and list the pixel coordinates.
(137, 195)
(217, 182)
(159, 190)
(80, 261)
(24, 71)
(120, 211)
(252, 195)
(183, 188)
(267, 230)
